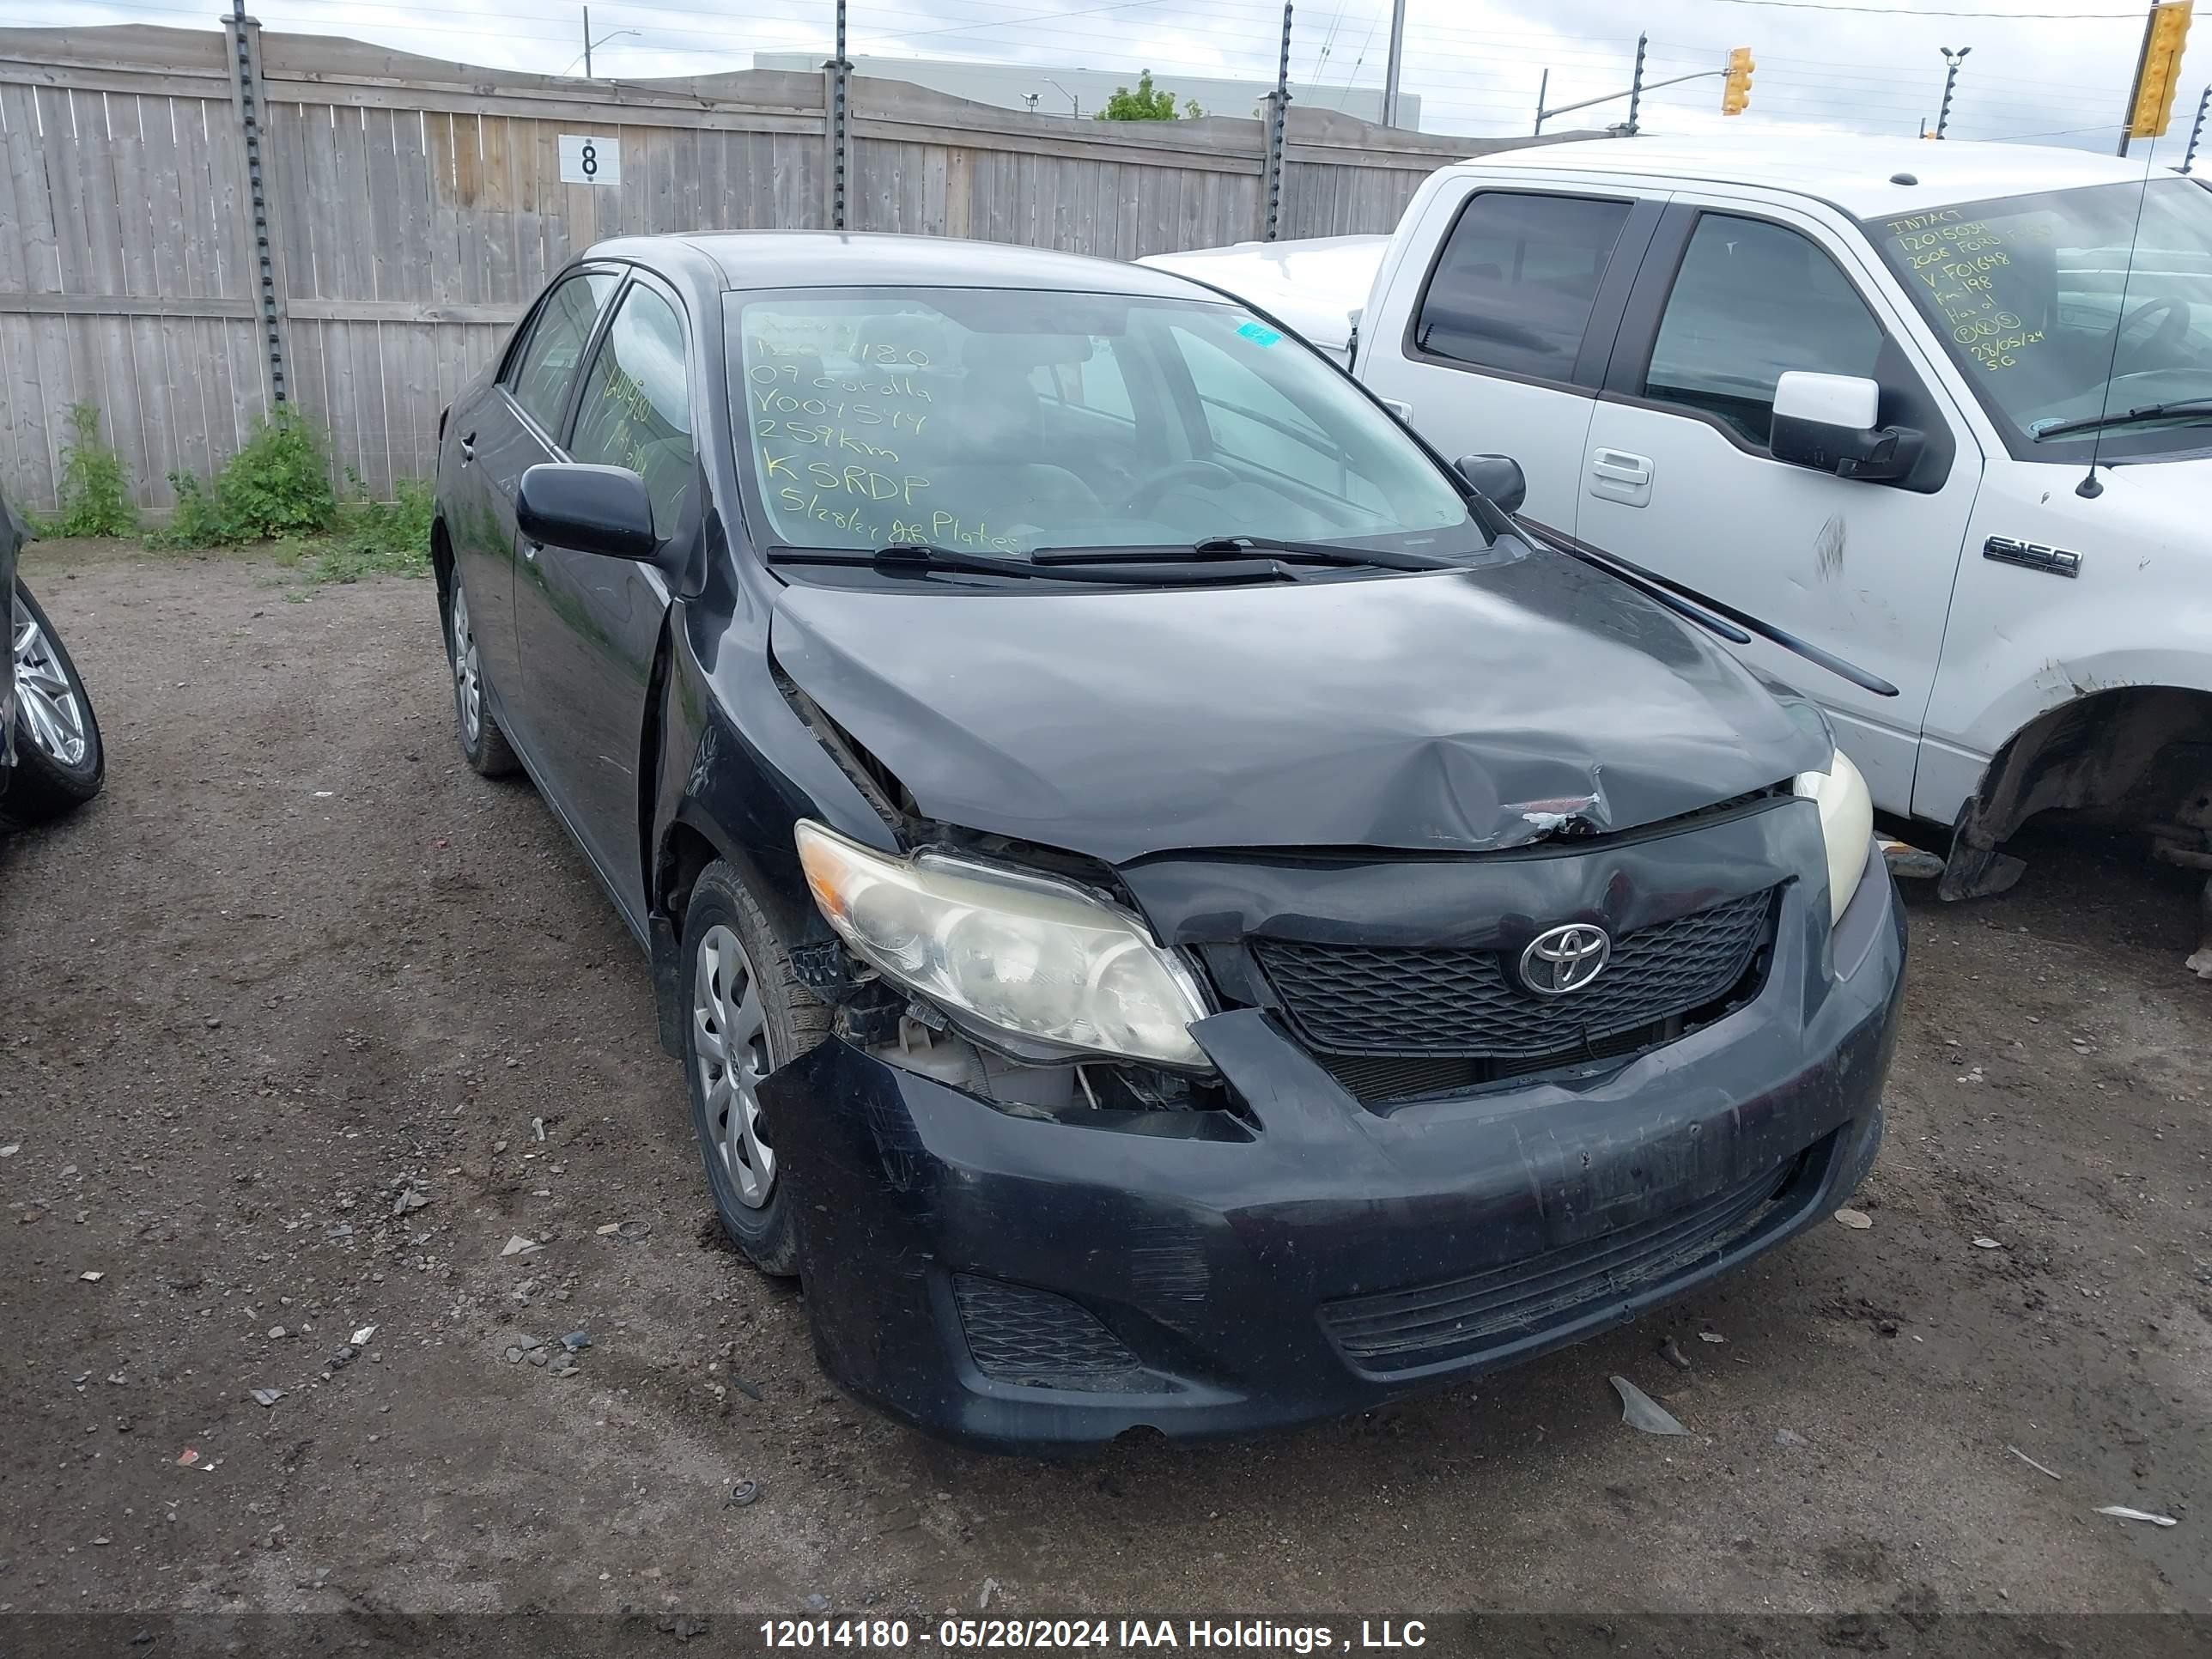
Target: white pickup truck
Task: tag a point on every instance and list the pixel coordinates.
(1942, 411)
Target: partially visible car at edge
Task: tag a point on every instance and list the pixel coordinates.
(51, 755)
(1943, 410)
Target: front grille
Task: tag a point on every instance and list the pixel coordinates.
(1019, 1335)
(1459, 1318)
(1370, 1000)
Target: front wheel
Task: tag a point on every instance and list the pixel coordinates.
(748, 1016)
(483, 746)
(60, 761)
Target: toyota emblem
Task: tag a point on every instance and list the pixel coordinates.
(1564, 959)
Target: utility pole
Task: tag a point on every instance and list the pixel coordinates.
(1397, 59)
(1636, 83)
(1543, 86)
(1951, 62)
(587, 43)
(2196, 132)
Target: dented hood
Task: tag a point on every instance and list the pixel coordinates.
(1461, 711)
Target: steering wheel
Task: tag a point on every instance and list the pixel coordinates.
(2173, 314)
(1162, 478)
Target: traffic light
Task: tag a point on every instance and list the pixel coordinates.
(1736, 89)
(2164, 35)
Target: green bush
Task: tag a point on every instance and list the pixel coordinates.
(96, 491)
(276, 488)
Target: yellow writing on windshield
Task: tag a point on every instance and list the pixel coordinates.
(1956, 259)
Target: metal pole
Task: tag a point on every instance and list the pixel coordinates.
(1543, 86)
(1278, 107)
(1544, 115)
(1951, 62)
(2197, 131)
(587, 43)
(2134, 89)
(1636, 83)
(1397, 57)
(246, 85)
(839, 135)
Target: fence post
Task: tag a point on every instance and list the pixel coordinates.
(1278, 108)
(836, 126)
(251, 103)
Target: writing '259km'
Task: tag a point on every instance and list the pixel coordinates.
(1955, 258)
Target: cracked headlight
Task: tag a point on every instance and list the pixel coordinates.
(1846, 824)
(1021, 957)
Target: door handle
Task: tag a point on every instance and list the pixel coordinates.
(1399, 407)
(1621, 467)
(468, 449)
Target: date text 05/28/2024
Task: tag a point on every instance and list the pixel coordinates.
(1109, 1635)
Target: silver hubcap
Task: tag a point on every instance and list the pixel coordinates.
(730, 1035)
(468, 686)
(53, 718)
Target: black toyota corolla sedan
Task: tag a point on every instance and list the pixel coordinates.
(1174, 911)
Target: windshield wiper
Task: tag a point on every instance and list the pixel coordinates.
(922, 557)
(1240, 547)
(2147, 412)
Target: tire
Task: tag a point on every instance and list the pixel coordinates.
(60, 760)
(727, 946)
(483, 746)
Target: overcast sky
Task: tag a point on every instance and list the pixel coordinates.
(1476, 64)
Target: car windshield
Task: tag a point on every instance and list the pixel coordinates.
(998, 421)
(2059, 308)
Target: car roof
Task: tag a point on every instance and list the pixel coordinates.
(829, 258)
(1854, 174)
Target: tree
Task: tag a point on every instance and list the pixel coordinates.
(1145, 104)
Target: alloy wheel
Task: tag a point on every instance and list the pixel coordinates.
(729, 1038)
(468, 684)
(52, 714)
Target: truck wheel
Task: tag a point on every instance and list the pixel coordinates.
(60, 761)
(748, 1015)
(483, 746)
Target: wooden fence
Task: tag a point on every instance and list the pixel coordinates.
(412, 208)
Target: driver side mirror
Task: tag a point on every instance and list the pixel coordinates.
(1827, 423)
(1498, 476)
(592, 509)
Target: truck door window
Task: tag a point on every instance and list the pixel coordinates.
(1751, 300)
(1515, 284)
(636, 407)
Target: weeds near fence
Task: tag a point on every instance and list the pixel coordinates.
(376, 538)
(278, 488)
(94, 498)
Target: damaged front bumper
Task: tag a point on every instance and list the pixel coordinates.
(1024, 1285)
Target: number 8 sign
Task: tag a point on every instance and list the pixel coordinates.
(590, 158)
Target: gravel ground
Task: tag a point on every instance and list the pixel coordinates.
(298, 957)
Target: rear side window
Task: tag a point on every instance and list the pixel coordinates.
(1752, 301)
(1515, 285)
(546, 366)
(636, 407)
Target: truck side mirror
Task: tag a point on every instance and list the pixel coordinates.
(1828, 422)
(1498, 476)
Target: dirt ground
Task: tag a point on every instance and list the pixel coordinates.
(297, 957)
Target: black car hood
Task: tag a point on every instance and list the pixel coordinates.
(1466, 710)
